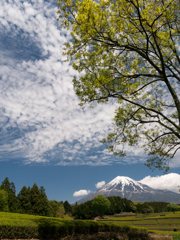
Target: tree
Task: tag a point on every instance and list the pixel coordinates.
(35, 200)
(172, 207)
(128, 50)
(24, 198)
(45, 209)
(100, 204)
(39, 202)
(60, 211)
(11, 191)
(157, 206)
(54, 206)
(84, 211)
(67, 207)
(3, 201)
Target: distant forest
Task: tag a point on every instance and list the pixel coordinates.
(30, 201)
(34, 201)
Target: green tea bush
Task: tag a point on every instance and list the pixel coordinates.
(11, 231)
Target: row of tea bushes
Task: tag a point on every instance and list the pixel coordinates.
(51, 228)
(18, 232)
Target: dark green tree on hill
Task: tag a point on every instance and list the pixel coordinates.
(24, 198)
(57, 208)
(67, 207)
(84, 211)
(54, 206)
(39, 201)
(119, 204)
(45, 209)
(4, 201)
(100, 204)
(11, 191)
(157, 206)
(35, 200)
(60, 211)
(173, 207)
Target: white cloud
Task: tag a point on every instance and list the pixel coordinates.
(169, 181)
(100, 184)
(81, 193)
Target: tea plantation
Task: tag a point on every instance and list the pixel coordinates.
(23, 226)
(163, 223)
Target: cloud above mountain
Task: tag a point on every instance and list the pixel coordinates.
(81, 192)
(169, 181)
(100, 184)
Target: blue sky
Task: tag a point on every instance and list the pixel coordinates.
(45, 136)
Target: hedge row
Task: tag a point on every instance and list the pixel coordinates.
(56, 229)
(18, 232)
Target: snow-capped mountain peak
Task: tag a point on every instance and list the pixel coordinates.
(121, 182)
(124, 181)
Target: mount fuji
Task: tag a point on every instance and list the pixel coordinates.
(126, 187)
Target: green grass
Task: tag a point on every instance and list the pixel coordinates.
(121, 223)
(164, 232)
(145, 217)
(177, 214)
(168, 221)
(148, 216)
(164, 227)
(145, 222)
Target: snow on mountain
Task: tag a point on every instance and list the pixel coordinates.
(120, 182)
(126, 187)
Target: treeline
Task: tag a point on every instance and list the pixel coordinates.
(119, 205)
(30, 201)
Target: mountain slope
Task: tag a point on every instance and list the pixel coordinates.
(126, 187)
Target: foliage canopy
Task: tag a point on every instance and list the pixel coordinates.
(128, 50)
(100, 204)
(10, 189)
(173, 207)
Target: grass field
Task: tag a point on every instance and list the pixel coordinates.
(155, 222)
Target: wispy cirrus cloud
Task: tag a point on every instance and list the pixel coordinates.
(40, 117)
(40, 120)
